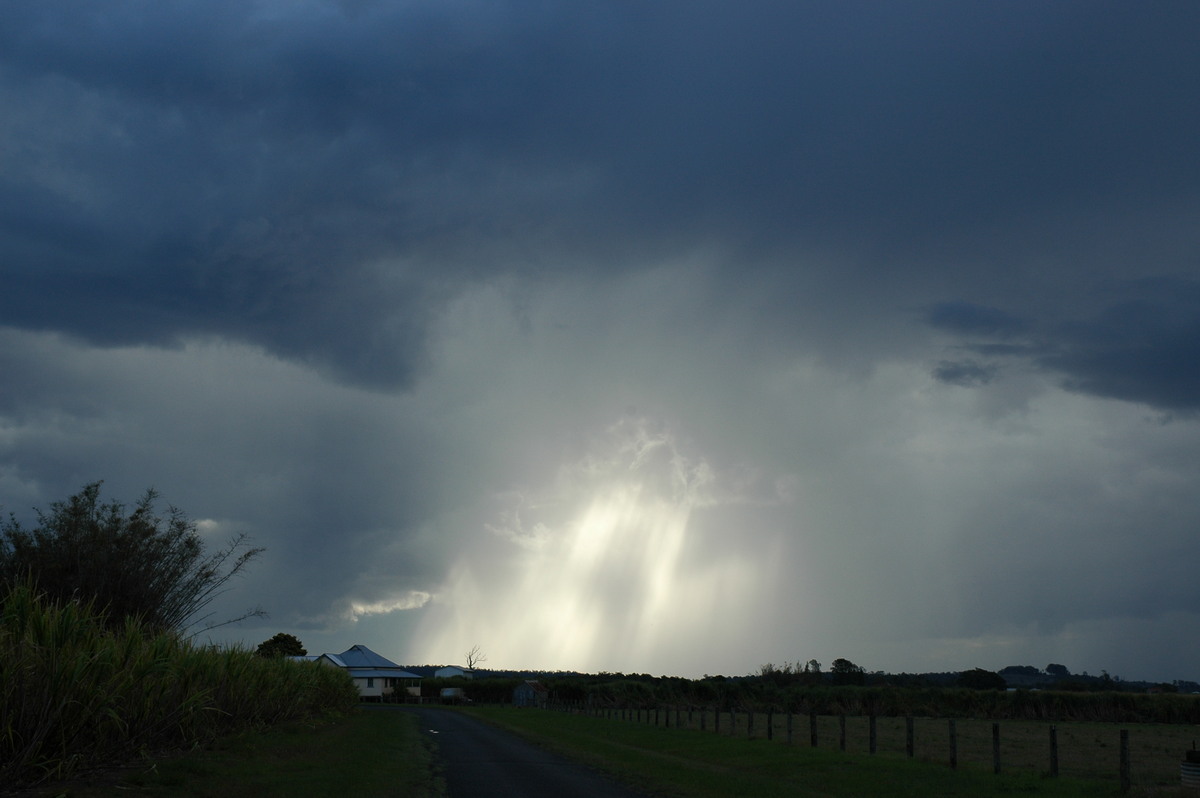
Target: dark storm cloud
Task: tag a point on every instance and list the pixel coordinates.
(1141, 347)
(965, 318)
(754, 228)
(318, 179)
(265, 178)
(1138, 352)
(964, 372)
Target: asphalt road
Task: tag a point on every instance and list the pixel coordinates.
(481, 761)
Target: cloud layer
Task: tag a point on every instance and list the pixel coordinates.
(916, 288)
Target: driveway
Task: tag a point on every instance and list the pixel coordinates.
(481, 761)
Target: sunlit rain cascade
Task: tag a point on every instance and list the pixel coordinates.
(604, 587)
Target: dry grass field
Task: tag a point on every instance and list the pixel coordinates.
(1085, 750)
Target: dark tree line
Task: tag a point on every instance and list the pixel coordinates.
(842, 672)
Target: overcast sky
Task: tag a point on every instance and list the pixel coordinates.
(669, 337)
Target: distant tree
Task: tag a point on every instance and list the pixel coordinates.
(846, 672)
(980, 679)
(1020, 670)
(779, 675)
(475, 656)
(281, 645)
(809, 673)
(1057, 671)
(135, 564)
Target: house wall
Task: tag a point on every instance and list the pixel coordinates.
(384, 686)
(376, 689)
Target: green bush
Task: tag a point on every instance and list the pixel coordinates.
(76, 695)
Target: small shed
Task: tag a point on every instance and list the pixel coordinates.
(450, 671)
(530, 693)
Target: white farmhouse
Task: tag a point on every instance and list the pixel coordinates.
(376, 677)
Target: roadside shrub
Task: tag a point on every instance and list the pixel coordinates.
(75, 695)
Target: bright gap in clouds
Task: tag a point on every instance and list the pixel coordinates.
(602, 573)
(411, 600)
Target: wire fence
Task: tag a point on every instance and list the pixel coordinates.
(1142, 755)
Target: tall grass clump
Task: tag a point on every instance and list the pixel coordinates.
(78, 693)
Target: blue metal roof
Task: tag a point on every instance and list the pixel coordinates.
(335, 659)
(363, 663)
(363, 657)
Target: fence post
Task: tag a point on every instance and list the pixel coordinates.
(908, 736)
(717, 719)
(953, 746)
(995, 747)
(789, 727)
(771, 723)
(703, 718)
(732, 721)
(1124, 760)
(1054, 751)
(750, 724)
(812, 728)
(871, 735)
(841, 732)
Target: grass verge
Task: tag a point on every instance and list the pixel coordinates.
(371, 753)
(76, 694)
(378, 752)
(694, 764)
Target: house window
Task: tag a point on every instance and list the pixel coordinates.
(370, 682)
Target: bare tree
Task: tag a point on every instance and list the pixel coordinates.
(475, 656)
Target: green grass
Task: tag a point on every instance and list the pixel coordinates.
(369, 753)
(381, 752)
(1087, 750)
(76, 695)
(680, 762)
